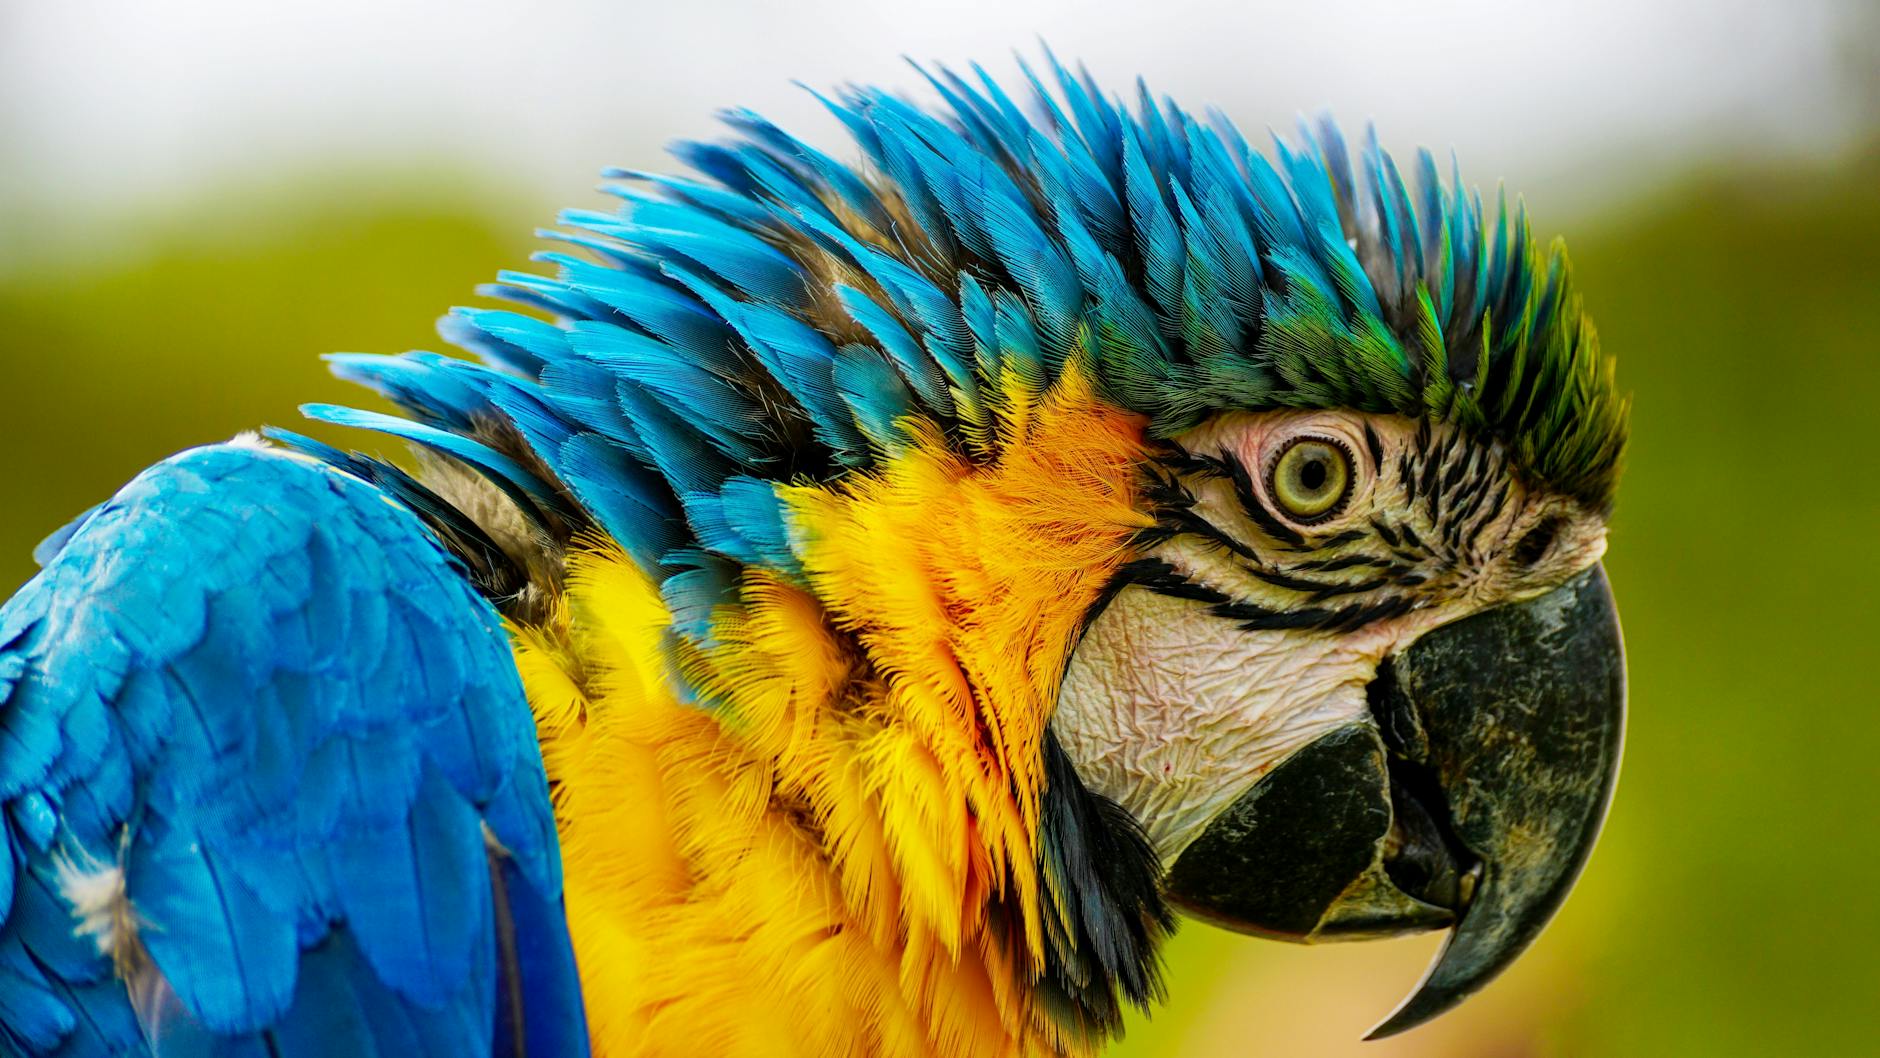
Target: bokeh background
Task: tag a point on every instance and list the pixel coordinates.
(197, 198)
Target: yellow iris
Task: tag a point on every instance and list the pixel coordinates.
(1311, 478)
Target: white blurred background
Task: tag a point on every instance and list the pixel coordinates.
(106, 104)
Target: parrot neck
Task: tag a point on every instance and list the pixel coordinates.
(845, 807)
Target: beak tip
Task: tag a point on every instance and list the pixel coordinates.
(1421, 1008)
(1431, 1000)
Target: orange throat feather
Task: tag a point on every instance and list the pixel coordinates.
(823, 830)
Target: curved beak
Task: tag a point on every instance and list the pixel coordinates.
(1520, 715)
(1470, 801)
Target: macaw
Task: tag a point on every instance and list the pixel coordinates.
(850, 609)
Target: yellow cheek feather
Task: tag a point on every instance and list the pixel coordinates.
(816, 834)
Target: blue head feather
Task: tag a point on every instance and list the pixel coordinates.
(781, 315)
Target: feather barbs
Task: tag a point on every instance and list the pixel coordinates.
(866, 776)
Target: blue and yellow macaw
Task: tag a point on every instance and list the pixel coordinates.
(848, 611)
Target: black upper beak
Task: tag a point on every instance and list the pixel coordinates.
(1521, 713)
(1472, 801)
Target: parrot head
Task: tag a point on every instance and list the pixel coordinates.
(1362, 680)
(963, 559)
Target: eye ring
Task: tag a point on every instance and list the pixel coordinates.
(1311, 478)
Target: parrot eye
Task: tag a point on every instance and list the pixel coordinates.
(1310, 479)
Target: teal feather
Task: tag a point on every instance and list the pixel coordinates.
(703, 582)
(876, 396)
(918, 370)
(708, 402)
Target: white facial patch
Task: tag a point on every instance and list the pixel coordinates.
(1173, 711)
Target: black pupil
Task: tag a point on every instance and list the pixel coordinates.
(1312, 474)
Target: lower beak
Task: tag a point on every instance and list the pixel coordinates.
(1472, 801)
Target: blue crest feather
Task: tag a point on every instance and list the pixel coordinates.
(784, 312)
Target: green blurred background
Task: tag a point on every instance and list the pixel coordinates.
(1731, 908)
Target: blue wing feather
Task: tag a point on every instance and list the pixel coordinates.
(254, 726)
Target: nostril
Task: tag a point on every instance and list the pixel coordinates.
(1539, 540)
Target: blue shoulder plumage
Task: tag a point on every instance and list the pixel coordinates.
(259, 742)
